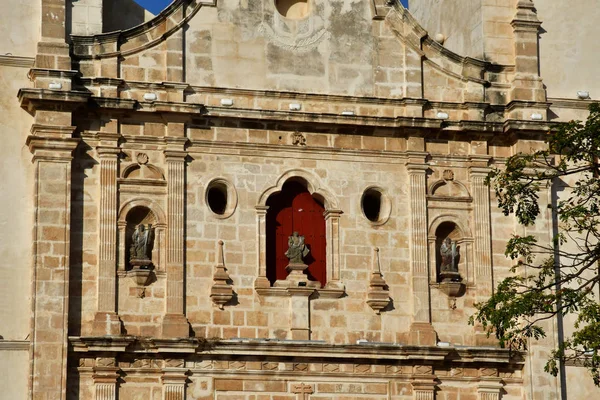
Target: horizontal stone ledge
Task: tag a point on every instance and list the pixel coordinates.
(14, 345)
(298, 349)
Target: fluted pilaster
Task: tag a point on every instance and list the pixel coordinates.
(106, 321)
(175, 323)
(418, 241)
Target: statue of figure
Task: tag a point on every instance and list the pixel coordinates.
(449, 255)
(297, 249)
(141, 243)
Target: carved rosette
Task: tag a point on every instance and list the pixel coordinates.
(221, 292)
(378, 296)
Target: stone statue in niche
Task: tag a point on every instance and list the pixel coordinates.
(449, 254)
(297, 249)
(141, 246)
(449, 266)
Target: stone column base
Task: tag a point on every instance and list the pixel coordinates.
(106, 324)
(175, 326)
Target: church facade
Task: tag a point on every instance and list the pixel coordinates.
(273, 199)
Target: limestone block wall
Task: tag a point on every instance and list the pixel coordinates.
(252, 162)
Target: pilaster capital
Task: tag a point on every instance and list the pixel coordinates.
(174, 156)
(108, 152)
(424, 384)
(51, 148)
(174, 376)
(261, 210)
(417, 168)
(176, 142)
(332, 214)
(105, 374)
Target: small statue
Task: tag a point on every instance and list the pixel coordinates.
(449, 254)
(297, 249)
(141, 245)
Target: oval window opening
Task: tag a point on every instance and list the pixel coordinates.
(371, 205)
(292, 9)
(217, 199)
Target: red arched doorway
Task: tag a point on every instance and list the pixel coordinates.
(295, 210)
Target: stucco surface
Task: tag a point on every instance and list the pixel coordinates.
(569, 47)
(19, 30)
(16, 208)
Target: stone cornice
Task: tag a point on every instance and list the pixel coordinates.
(32, 99)
(297, 349)
(17, 61)
(577, 104)
(14, 345)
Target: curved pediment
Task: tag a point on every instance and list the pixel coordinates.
(364, 49)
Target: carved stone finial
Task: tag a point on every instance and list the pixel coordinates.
(221, 292)
(378, 296)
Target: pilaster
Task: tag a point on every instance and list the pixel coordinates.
(527, 85)
(106, 321)
(52, 148)
(174, 381)
(174, 52)
(261, 233)
(53, 51)
(422, 332)
(175, 323)
(105, 379)
(481, 211)
(483, 238)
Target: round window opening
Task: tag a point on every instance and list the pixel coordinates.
(292, 9)
(221, 198)
(375, 205)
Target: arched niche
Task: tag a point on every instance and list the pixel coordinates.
(294, 209)
(319, 193)
(451, 226)
(132, 214)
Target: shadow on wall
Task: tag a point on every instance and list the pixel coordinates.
(123, 14)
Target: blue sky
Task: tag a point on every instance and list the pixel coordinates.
(156, 6)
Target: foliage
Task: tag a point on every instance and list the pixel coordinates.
(560, 277)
